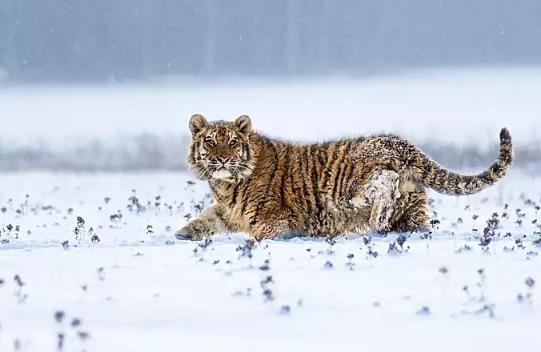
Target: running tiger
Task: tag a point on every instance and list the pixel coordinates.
(268, 188)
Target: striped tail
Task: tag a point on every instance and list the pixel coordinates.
(447, 182)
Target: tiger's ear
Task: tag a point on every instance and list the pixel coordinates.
(197, 123)
(244, 124)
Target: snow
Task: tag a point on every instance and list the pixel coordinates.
(458, 106)
(146, 291)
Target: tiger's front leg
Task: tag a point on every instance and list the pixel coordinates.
(269, 229)
(211, 221)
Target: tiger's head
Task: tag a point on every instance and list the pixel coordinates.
(220, 150)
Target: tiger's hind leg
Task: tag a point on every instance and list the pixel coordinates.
(413, 213)
(380, 193)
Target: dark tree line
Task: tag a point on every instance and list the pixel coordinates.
(100, 40)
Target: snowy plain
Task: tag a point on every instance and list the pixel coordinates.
(129, 285)
(458, 106)
(138, 289)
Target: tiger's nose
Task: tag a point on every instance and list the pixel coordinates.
(223, 159)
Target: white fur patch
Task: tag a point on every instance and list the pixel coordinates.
(358, 202)
(384, 183)
(221, 174)
(407, 187)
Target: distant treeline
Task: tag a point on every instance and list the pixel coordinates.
(102, 40)
(152, 152)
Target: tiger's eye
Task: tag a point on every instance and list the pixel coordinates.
(233, 143)
(209, 143)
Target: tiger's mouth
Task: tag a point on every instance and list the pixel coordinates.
(222, 173)
(231, 171)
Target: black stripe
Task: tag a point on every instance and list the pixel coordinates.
(425, 165)
(496, 168)
(319, 205)
(347, 179)
(285, 168)
(322, 156)
(244, 198)
(194, 152)
(248, 152)
(272, 147)
(303, 175)
(485, 177)
(235, 193)
(329, 163)
(295, 162)
(456, 182)
(340, 174)
(313, 184)
(334, 165)
(337, 158)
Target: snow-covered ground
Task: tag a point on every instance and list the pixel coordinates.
(138, 289)
(459, 106)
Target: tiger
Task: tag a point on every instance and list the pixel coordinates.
(269, 188)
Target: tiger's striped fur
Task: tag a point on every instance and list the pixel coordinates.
(267, 187)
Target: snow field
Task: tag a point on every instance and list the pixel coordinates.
(139, 289)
